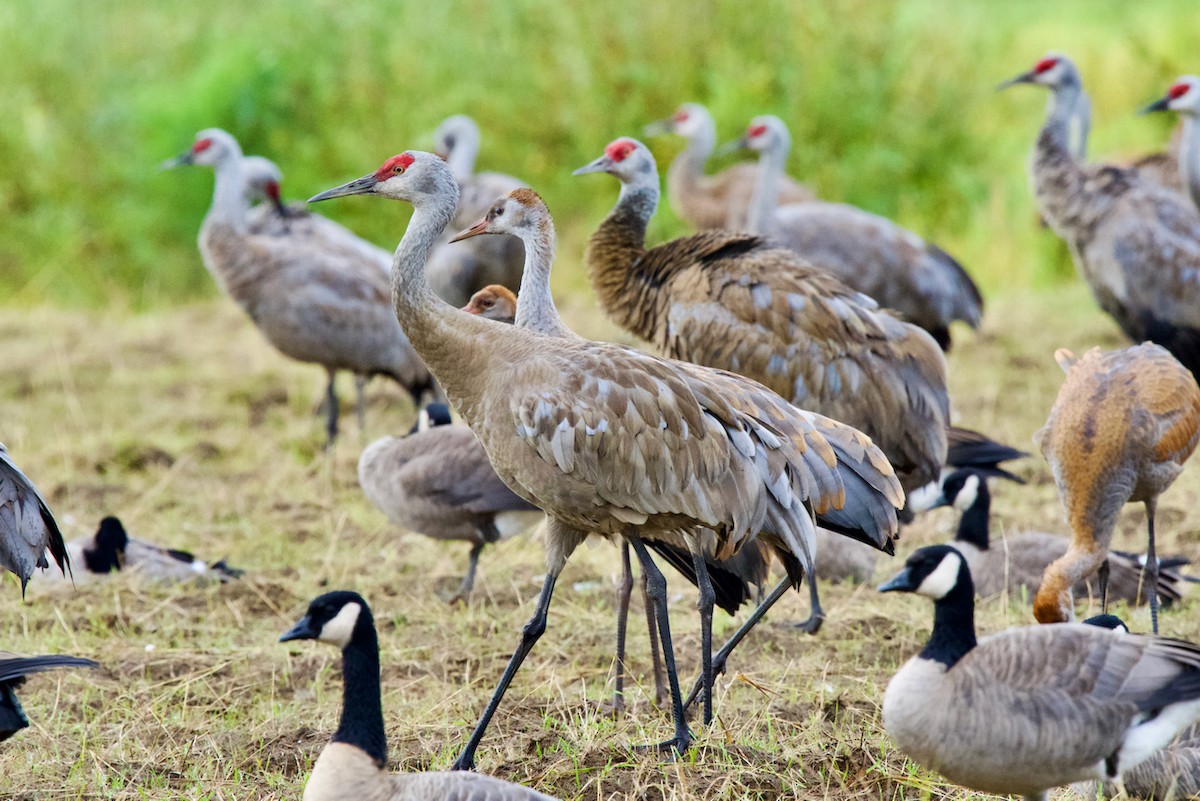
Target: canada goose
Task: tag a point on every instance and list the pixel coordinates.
(27, 526)
(13, 670)
(1148, 407)
(1035, 707)
(609, 440)
(1017, 563)
(437, 481)
(354, 763)
(111, 549)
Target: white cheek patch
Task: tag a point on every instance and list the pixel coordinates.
(939, 583)
(966, 496)
(341, 627)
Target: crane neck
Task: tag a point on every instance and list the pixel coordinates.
(461, 159)
(772, 163)
(699, 149)
(1067, 100)
(1080, 126)
(535, 303)
(614, 252)
(230, 204)
(1063, 193)
(1189, 157)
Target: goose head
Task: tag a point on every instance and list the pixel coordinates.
(333, 618)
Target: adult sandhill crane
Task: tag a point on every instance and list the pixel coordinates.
(609, 440)
(437, 481)
(1184, 97)
(872, 254)
(27, 526)
(1120, 430)
(1136, 244)
(721, 200)
(737, 302)
(313, 304)
(1033, 707)
(457, 270)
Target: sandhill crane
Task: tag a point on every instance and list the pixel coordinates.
(495, 302)
(1120, 430)
(437, 481)
(354, 762)
(721, 200)
(1034, 707)
(313, 304)
(27, 526)
(457, 270)
(872, 254)
(737, 302)
(609, 440)
(13, 670)
(1136, 244)
(1184, 97)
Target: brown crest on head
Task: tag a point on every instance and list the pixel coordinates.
(527, 197)
(495, 302)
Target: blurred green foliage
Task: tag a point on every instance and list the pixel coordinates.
(890, 103)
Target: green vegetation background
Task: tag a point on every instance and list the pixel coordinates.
(891, 106)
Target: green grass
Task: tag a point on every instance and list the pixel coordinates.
(890, 104)
(190, 427)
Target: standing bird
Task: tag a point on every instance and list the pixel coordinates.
(739, 303)
(353, 765)
(1120, 430)
(1035, 707)
(1136, 244)
(721, 200)
(1184, 97)
(314, 304)
(437, 481)
(27, 526)
(892, 265)
(13, 670)
(609, 440)
(456, 270)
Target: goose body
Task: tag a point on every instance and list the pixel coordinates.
(13, 670)
(354, 763)
(28, 531)
(1031, 708)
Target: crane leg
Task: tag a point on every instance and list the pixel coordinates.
(1102, 581)
(658, 589)
(467, 584)
(1152, 564)
(529, 636)
(331, 402)
(661, 695)
(360, 405)
(705, 605)
(624, 592)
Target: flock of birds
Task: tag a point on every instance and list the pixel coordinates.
(796, 413)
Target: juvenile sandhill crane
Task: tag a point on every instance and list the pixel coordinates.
(894, 266)
(721, 200)
(457, 270)
(609, 440)
(737, 302)
(1184, 97)
(313, 304)
(437, 481)
(28, 530)
(1136, 244)
(1034, 707)
(1017, 563)
(494, 302)
(1120, 430)
(13, 670)
(353, 765)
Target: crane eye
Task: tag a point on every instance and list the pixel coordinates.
(397, 169)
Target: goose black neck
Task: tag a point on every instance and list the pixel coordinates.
(973, 525)
(953, 634)
(362, 709)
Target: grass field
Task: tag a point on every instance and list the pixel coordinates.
(190, 428)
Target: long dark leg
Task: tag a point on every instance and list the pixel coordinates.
(1152, 564)
(816, 615)
(467, 584)
(1102, 582)
(658, 589)
(661, 695)
(705, 605)
(624, 591)
(360, 406)
(331, 402)
(529, 635)
(721, 656)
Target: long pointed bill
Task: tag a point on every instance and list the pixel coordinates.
(1024, 77)
(1163, 104)
(601, 164)
(478, 228)
(303, 630)
(359, 186)
(736, 146)
(182, 160)
(658, 128)
(901, 582)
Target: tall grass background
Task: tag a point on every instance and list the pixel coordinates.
(891, 106)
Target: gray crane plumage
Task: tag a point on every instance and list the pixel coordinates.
(28, 530)
(1184, 97)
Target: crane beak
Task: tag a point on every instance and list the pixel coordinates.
(1024, 77)
(478, 228)
(901, 582)
(359, 186)
(736, 146)
(602, 164)
(182, 160)
(658, 128)
(1162, 104)
(304, 630)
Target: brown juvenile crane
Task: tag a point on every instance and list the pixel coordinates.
(1136, 244)
(1120, 430)
(611, 441)
(313, 304)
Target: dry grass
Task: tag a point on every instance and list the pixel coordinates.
(193, 431)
